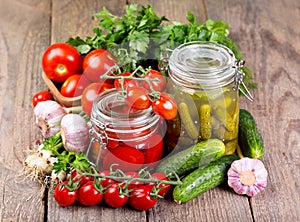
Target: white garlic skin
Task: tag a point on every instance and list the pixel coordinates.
(48, 115)
(74, 133)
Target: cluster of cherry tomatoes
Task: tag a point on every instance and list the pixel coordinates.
(80, 75)
(90, 191)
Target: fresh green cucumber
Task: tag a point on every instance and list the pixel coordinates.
(203, 179)
(250, 139)
(192, 157)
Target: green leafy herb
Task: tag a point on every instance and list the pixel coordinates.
(140, 37)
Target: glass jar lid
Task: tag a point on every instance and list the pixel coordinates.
(202, 65)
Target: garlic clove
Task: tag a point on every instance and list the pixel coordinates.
(247, 176)
(48, 115)
(74, 133)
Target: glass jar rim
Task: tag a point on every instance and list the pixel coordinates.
(103, 115)
(205, 65)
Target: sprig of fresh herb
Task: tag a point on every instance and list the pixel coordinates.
(139, 37)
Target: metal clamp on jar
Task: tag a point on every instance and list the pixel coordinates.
(204, 79)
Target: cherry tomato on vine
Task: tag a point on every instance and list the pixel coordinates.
(74, 85)
(90, 93)
(165, 106)
(41, 96)
(163, 188)
(65, 196)
(90, 194)
(141, 199)
(96, 63)
(61, 60)
(115, 196)
(105, 182)
(133, 184)
(125, 83)
(127, 158)
(81, 178)
(137, 98)
(156, 79)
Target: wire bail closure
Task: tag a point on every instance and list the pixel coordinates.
(101, 138)
(239, 80)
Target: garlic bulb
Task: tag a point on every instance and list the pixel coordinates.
(247, 176)
(48, 115)
(74, 133)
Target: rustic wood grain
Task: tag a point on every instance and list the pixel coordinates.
(23, 37)
(270, 39)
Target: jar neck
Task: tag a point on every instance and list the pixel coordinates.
(202, 65)
(111, 114)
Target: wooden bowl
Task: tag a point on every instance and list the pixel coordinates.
(62, 100)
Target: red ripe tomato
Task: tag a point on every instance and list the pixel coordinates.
(74, 85)
(90, 93)
(140, 198)
(96, 63)
(127, 158)
(133, 184)
(165, 106)
(105, 182)
(60, 61)
(65, 196)
(163, 188)
(114, 196)
(89, 194)
(41, 96)
(125, 83)
(137, 98)
(157, 80)
(81, 178)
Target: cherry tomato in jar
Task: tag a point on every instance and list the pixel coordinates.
(90, 194)
(114, 195)
(96, 63)
(156, 79)
(127, 158)
(163, 188)
(125, 83)
(41, 96)
(165, 106)
(81, 178)
(90, 93)
(65, 196)
(141, 199)
(61, 60)
(74, 85)
(137, 98)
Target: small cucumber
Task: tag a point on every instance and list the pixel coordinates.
(203, 179)
(250, 139)
(192, 157)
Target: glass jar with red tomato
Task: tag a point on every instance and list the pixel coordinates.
(123, 137)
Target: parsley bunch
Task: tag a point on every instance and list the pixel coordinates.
(140, 37)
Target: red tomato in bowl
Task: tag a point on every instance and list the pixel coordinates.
(90, 93)
(61, 60)
(96, 63)
(74, 85)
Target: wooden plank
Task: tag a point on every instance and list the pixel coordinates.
(269, 38)
(70, 19)
(23, 37)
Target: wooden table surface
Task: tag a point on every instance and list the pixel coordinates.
(267, 32)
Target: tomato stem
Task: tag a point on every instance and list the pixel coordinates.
(122, 178)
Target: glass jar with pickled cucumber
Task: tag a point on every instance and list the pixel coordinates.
(204, 80)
